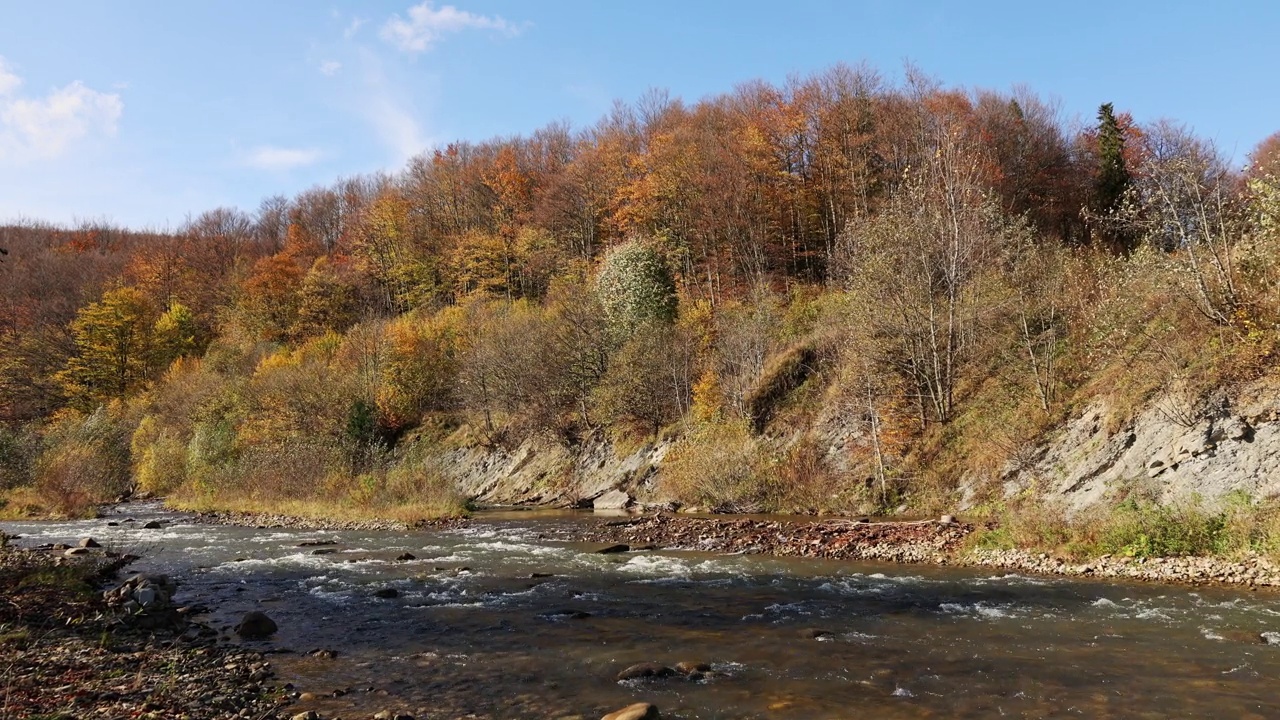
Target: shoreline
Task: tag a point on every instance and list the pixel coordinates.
(905, 543)
(927, 542)
(72, 649)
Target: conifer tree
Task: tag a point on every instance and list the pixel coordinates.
(1112, 179)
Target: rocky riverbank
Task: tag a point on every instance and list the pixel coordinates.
(291, 522)
(68, 650)
(934, 542)
(944, 542)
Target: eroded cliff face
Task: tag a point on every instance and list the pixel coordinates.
(542, 472)
(1233, 445)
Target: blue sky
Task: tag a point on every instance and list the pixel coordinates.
(142, 112)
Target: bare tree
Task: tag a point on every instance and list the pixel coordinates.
(1184, 203)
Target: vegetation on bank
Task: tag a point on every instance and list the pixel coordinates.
(1136, 528)
(938, 277)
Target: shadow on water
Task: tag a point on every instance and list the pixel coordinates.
(498, 621)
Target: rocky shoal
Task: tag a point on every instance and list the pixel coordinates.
(290, 522)
(933, 542)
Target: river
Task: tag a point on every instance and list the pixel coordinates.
(510, 618)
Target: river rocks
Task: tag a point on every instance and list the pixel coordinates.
(88, 543)
(1270, 638)
(613, 500)
(81, 658)
(255, 625)
(638, 711)
(269, 520)
(153, 525)
(405, 557)
(386, 593)
(813, 633)
(947, 520)
(611, 549)
(389, 715)
(77, 551)
(308, 715)
(646, 670)
(144, 594)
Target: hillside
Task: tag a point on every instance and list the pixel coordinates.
(833, 296)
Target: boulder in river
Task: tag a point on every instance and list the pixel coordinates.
(152, 525)
(610, 549)
(88, 543)
(638, 711)
(613, 500)
(73, 552)
(406, 556)
(646, 670)
(255, 625)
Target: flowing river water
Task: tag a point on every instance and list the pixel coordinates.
(510, 618)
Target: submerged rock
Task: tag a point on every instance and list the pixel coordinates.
(255, 625)
(386, 593)
(638, 711)
(813, 633)
(610, 549)
(646, 670)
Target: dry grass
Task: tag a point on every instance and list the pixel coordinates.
(1138, 528)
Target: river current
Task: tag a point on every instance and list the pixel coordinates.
(510, 618)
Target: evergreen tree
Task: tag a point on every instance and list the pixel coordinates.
(1112, 179)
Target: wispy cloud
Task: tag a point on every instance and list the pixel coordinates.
(276, 159)
(46, 127)
(425, 25)
(352, 28)
(388, 111)
(330, 67)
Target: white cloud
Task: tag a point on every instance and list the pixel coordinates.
(353, 28)
(330, 67)
(269, 157)
(426, 25)
(46, 127)
(8, 80)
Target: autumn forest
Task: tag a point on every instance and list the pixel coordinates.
(937, 278)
